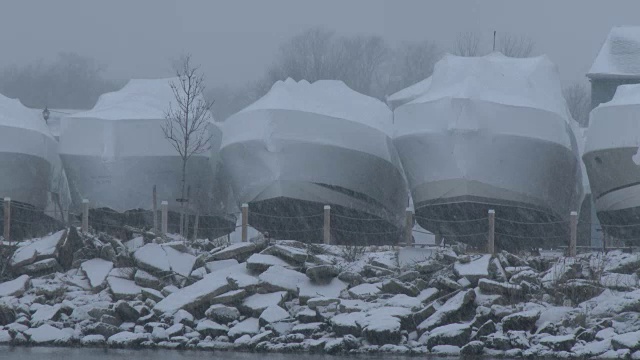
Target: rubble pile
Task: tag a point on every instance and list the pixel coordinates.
(71, 289)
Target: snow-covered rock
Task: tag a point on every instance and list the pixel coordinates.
(261, 262)
(381, 329)
(450, 334)
(239, 251)
(291, 254)
(365, 291)
(93, 340)
(273, 313)
(96, 271)
(255, 304)
(127, 339)
(144, 279)
(45, 314)
(36, 249)
(210, 328)
(451, 311)
(525, 320)
(474, 270)
(308, 289)
(249, 326)
(277, 278)
(15, 287)
(163, 259)
(47, 335)
(195, 295)
(629, 341)
(222, 314)
(123, 288)
(213, 266)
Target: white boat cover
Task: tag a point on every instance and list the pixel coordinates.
(615, 124)
(320, 133)
(619, 54)
(473, 108)
(32, 171)
(116, 152)
(409, 94)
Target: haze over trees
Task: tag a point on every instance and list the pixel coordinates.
(70, 81)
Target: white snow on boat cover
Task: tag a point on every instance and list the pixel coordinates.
(615, 124)
(408, 94)
(24, 133)
(331, 98)
(496, 79)
(619, 54)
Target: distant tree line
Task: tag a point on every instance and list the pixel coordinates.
(366, 63)
(70, 81)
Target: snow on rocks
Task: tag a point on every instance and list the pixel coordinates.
(210, 328)
(195, 295)
(36, 249)
(365, 291)
(239, 251)
(15, 287)
(450, 334)
(255, 304)
(127, 339)
(48, 335)
(45, 314)
(222, 314)
(452, 310)
(123, 288)
(96, 271)
(262, 262)
(162, 259)
(277, 278)
(249, 326)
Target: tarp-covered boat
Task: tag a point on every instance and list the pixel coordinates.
(303, 146)
(491, 132)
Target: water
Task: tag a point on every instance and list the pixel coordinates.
(53, 353)
(47, 353)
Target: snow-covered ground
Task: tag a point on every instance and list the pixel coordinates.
(288, 296)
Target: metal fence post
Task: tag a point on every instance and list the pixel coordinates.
(326, 229)
(409, 228)
(7, 219)
(491, 246)
(155, 210)
(245, 222)
(164, 206)
(85, 215)
(573, 231)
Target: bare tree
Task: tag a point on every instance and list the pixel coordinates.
(187, 119)
(515, 46)
(579, 102)
(411, 63)
(319, 54)
(467, 44)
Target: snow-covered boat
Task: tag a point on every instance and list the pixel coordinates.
(303, 146)
(31, 168)
(613, 162)
(491, 132)
(115, 153)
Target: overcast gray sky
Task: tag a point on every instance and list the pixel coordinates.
(235, 40)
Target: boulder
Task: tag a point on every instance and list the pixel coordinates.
(351, 278)
(123, 289)
(36, 250)
(477, 268)
(560, 342)
(195, 296)
(277, 278)
(93, 340)
(473, 348)
(316, 302)
(210, 328)
(521, 321)
(144, 279)
(273, 313)
(489, 327)
(41, 268)
(96, 271)
(126, 339)
(249, 326)
(45, 314)
(456, 308)
(291, 254)
(230, 297)
(7, 313)
(101, 328)
(152, 294)
(491, 287)
(255, 304)
(222, 314)
(48, 335)
(630, 340)
(347, 323)
(261, 262)
(322, 273)
(382, 329)
(163, 259)
(240, 252)
(394, 286)
(15, 287)
(365, 291)
(308, 289)
(450, 334)
(126, 312)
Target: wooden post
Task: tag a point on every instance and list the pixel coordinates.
(408, 235)
(164, 206)
(85, 215)
(155, 210)
(326, 230)
(186, 214)
(7, 219)
(573, 231)
(196, 223)
(245, 222)
(491, 246)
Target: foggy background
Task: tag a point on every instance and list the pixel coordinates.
(64, 54)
